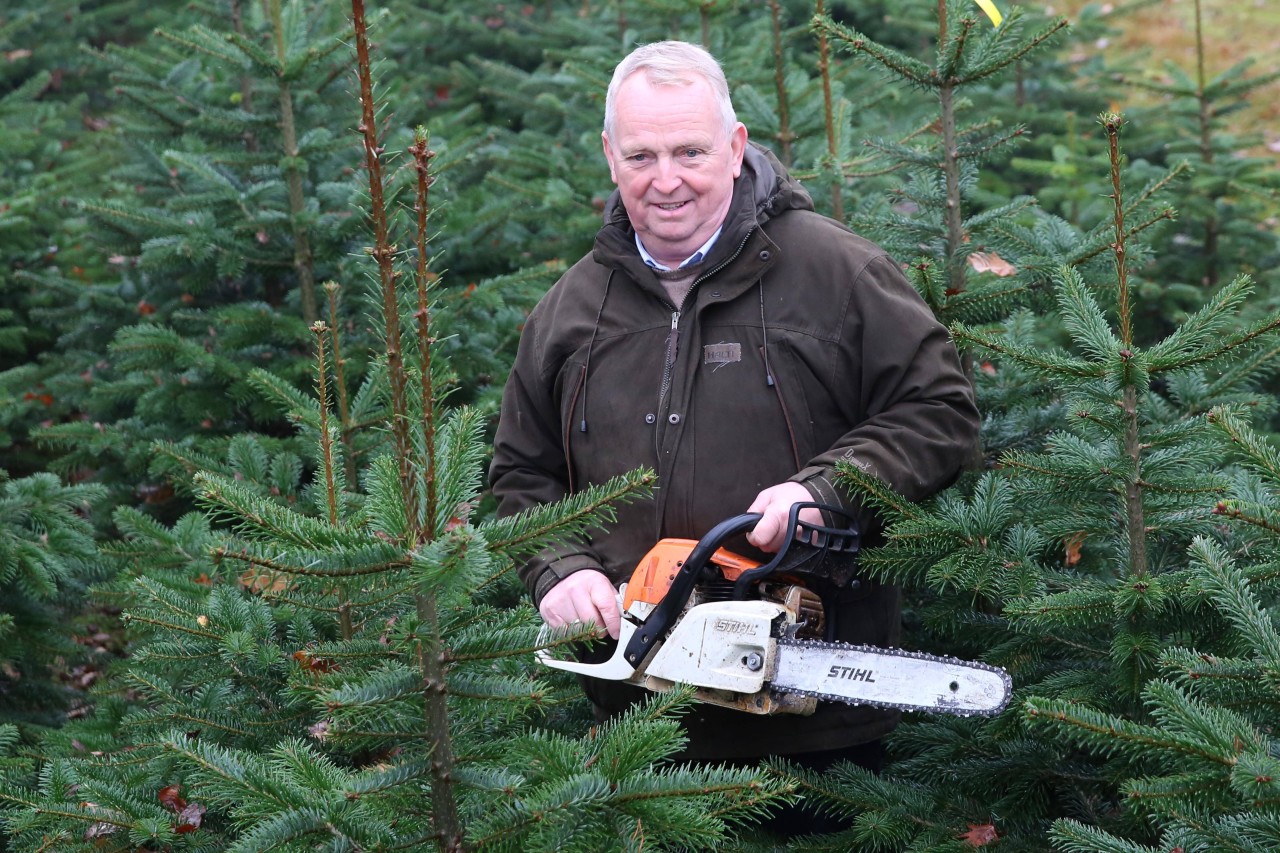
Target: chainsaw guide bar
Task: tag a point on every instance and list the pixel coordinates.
(903, 680)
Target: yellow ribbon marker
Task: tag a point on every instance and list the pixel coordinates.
(992, 12)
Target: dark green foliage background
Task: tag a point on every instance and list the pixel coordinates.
(158, 242)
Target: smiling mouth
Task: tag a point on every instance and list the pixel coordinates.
(675, 205)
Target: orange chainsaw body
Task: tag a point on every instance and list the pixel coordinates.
(655, 571)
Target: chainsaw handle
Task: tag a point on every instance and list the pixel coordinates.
(819, 539)
(659, 622)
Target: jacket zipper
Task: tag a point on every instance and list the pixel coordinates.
(673, 339)
(673, 344)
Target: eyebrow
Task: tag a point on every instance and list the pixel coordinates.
(701, 145)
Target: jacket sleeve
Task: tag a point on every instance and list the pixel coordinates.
(915, 421)
(529, 466)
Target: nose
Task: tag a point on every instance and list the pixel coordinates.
(668, 179)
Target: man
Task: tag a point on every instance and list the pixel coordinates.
(727, 336)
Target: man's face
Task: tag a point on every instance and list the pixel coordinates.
(674, 164)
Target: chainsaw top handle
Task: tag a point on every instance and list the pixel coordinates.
(819, 539)
(819, 552)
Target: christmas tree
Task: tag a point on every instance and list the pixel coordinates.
(324, 661)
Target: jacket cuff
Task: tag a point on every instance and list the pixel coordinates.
(555, 572)
(819, 484)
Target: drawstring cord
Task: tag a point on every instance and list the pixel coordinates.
(586, 367)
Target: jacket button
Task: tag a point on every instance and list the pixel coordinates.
(765, 254)
(673, 418)
(651, 418)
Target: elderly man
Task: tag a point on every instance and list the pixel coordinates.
(727, 336)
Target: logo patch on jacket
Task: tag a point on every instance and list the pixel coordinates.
(721, 354)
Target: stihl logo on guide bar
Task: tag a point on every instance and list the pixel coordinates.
(850, 673)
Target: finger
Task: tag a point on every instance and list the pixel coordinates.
(605, 601)
(766, 532)
(550, 606)
(558, 607)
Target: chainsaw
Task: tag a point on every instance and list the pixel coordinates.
(758, 636)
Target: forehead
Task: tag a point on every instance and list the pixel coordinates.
(673, 113)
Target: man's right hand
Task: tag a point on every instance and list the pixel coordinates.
(586, 596)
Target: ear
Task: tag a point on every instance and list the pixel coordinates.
(738, 146)
(608, 156)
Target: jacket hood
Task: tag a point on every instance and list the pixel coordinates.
(763, 191)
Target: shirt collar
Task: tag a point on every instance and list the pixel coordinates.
(696, 257)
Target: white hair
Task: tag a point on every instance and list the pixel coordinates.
(670, 63)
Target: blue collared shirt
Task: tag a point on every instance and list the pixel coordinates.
(696, 257)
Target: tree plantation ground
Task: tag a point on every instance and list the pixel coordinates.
(1165, 32)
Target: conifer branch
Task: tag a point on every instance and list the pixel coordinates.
(1239, 606)
(248, 510)
(785, 136)
(1097, 249)
(828, 112)
(853, 41)
(1156, 186)
(1077, 837)
(327, 465)
(205, 722)
(328, 468)
(1002, 61)
(171, 626)
(1232, 342)
(992, 143)
(876, 492)
(308, 571)
(1031, 357)
(1257, 451)
(951, 49)
(1092, 724)
(516, 533)
(383, 253)
(294, 166)
(422, 157)
(347, 431)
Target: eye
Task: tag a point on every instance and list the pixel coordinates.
(690, 153)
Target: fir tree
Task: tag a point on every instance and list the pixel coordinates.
(51, 140)
(1066, 565)
(320, 663)
(47, 560)
(192, 229)
(1229, 193)
(934, 224)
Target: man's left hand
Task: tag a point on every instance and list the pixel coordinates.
(775, 503)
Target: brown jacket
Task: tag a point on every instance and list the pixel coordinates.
(800, 344)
